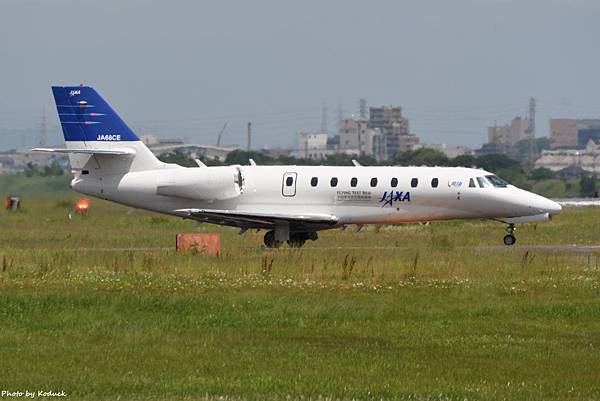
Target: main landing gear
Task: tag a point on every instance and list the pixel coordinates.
(296, 239)
(509, 238)
(270, 241)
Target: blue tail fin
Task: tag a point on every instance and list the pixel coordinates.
(85, 116)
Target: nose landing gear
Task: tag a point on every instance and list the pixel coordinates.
(509, 238)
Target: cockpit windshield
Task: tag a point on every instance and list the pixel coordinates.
(497, 181)
(482, 182)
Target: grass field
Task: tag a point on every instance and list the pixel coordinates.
(105, 309)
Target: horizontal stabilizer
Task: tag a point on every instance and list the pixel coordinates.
(111, 152)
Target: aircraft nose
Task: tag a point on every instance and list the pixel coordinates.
(546, 205)
(555, 208)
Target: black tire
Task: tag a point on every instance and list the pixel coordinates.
(270, 241)
(509, 239)
(296, 242)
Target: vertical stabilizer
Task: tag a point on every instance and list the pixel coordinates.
(88, 122)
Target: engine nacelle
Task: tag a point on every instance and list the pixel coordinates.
(205, 184)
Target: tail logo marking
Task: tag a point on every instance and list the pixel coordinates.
(74, 92)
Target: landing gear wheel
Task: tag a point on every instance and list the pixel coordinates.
(270, 241)
(296, 241)
(509, 239)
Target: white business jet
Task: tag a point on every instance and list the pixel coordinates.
(292, 203)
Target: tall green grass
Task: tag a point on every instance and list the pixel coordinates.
(104, 308)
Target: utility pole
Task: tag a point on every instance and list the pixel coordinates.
(531, 129)
(249, 136)
(532, 116)
(44, 131)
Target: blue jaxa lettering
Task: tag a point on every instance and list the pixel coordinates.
(390, 197)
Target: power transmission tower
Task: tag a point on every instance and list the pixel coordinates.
(362, 108)
(324, 119)
(340, 115)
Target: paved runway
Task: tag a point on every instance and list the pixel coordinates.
(581, 249)
(541, 248)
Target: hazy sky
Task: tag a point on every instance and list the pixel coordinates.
(184, 68)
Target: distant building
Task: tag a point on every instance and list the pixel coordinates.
(276, 152)
(312, 145)
(492, 149)
(519, 130)
(380, 117)
(587, 159)
(451, 151)
(17, 160)
(499, 135)
(563, 133)
(355, 137)
(149, 140)
(509, 135)
(160, 146)
(568, 133)
(395, 131)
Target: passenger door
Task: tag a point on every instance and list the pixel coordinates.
(288, 184)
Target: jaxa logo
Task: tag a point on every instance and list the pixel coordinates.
(74, 92)
(108, 137)
(390, 197)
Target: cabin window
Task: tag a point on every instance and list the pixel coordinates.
(435, 182)
(314, 181)
(354, 182)
(334, 182)
(482, 182)
(373, 182)
(394, 182)
(497, 181)
(414, 182)
(289, 181)
(472, 183)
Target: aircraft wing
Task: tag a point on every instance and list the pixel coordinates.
(237, 218)
(89, 151)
